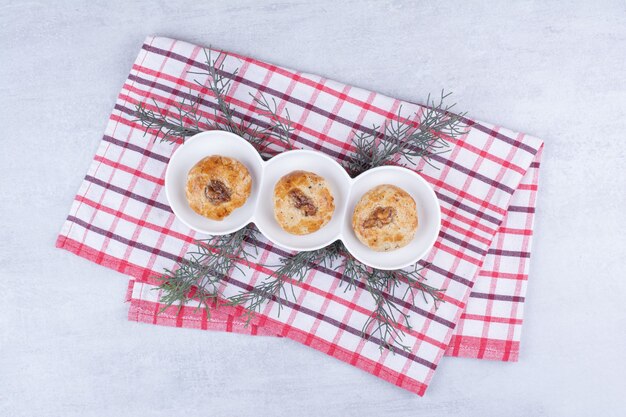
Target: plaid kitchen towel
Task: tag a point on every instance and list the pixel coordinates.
(486, 186)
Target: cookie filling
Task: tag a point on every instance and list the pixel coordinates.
(217, 192)
(380, 217)
(302, 202)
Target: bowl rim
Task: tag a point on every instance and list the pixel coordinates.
(345, 177)
(437, 220)
(178, 152)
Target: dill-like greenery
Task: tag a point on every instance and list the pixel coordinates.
(198, 276)
(273, 287)
(185, 119)
(184, 122)
(219, 84)
(279, 129)
(404, 142)
(386, 321)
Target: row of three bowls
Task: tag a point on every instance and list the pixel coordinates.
(346, 191)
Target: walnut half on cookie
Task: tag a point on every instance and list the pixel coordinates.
(217, 185)
(385, 218)
(303, 202)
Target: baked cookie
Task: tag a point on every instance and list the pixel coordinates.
(217, 185)
(385, 218)
(303, 202)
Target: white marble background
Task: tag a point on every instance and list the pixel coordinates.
(554, 69)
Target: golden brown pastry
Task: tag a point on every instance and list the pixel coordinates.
(217, 185)
(385, 218)
(303, 202)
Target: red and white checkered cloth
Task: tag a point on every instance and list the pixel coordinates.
(486, 186)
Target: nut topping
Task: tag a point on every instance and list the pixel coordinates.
(217, 192)
(380, 217)
(302, 202)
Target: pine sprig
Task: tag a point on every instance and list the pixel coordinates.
(219, 85)
(185, 118)
(199, 276)
(401, 141)
(184, 122)
(273, 288)
(279, 129)
(388, 318)
(353, 272)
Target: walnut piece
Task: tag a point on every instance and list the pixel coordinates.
(302, 202)
(380, 217)
(217, 192)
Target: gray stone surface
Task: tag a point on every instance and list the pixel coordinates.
(554, 69)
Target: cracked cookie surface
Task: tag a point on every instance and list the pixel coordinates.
(217, 185)
(303, 202)
(385, 218)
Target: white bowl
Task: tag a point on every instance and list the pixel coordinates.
(346, 192)
(214, 142)
(324, 166)
(428, 213)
